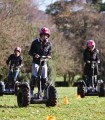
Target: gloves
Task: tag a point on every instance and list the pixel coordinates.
(88, 61)
(98, 61)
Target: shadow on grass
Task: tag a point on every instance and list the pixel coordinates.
(37, 105)
(8, 106)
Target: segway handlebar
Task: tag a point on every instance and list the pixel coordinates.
(11, 67)
(93, 62)
(45, 58)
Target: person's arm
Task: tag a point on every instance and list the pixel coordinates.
(49, 51)
(32, 49)
(8, 60)
(98, 56)
(85, 57)
(20, 62)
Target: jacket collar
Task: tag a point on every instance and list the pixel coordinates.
(39, 40)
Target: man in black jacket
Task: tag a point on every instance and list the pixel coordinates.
(91, 54)
(40, 47)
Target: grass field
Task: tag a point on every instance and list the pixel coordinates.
(88, 108)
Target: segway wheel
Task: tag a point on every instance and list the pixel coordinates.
(16, 88)
(23, 98)
(101, 90)
(52, 98)
(81, 90)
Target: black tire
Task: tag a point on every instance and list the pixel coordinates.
(23, 98)
(52, 100)
(1, 90)
(81, 90)
(101, 90)
(16, 88)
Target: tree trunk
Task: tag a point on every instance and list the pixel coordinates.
(65, 77)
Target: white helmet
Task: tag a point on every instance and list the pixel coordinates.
(17, 49)
(90, 44)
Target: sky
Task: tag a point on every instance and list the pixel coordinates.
(103, 0)
(43, 3)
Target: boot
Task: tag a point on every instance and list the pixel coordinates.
(32, 84)
(43, 80)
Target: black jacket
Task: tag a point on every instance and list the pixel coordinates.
(13, 60)
(37, 47)
(91, 56)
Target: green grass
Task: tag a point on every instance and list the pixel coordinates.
(88, 108)
(59, 78)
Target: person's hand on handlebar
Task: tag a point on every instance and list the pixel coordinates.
(93, 61)
(98, 61)
(45, 58)
(49, 57)
(88, 61)
(37, 56)
(20, 66)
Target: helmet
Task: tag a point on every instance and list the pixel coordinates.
(17, 49)
(45, 30)
(90, 44)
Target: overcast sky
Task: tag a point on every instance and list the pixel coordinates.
(103, 0)
(43, 3)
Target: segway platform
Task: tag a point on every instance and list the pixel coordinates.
(9, 92)
(91, 92)
(38, 100)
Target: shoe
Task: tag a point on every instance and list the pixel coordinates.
(39, 96)
(36, 96)
(45, 97)
(6, 86)
(12, 86)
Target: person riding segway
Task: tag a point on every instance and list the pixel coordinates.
(92, 60)
(39, 47)
(91, 83)
(40, 51)
(14, 62)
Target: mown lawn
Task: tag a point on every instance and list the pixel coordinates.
(88, 108)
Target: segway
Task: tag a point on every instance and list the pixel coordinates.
(48, 96)
(96, 88)
(9, 87)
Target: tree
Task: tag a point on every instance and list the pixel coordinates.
(96, 1)
(77, 27)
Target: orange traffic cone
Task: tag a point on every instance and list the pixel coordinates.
(78, 97)
(51, 117)
(65, 100)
